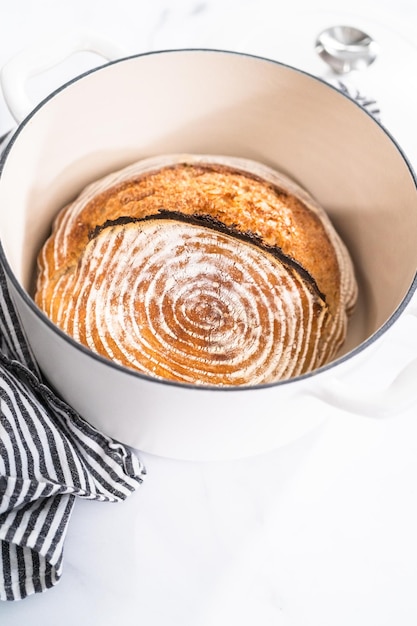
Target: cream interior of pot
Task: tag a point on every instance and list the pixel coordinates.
(230, 104)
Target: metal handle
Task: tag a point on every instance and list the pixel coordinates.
(43, 56)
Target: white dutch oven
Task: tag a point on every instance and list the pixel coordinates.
(224, 103)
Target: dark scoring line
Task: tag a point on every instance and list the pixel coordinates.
(208, 221)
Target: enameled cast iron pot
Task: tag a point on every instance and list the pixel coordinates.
(202, 101)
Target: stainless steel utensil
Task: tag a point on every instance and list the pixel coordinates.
(346, 48)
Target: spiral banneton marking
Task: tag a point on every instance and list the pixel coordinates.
(203, 269)
(190, 304)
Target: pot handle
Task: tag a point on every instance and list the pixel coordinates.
(399, 396)
(43, 56)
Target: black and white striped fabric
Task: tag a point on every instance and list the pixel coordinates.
(48, 456)
(368, 103)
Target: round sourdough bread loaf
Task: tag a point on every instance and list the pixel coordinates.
(201, 269)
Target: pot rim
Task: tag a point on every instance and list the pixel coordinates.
(136, 374)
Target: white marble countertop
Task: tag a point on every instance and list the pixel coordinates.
(321, 532)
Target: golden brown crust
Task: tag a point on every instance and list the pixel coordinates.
(246, 198)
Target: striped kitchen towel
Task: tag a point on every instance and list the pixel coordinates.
(48, 456)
